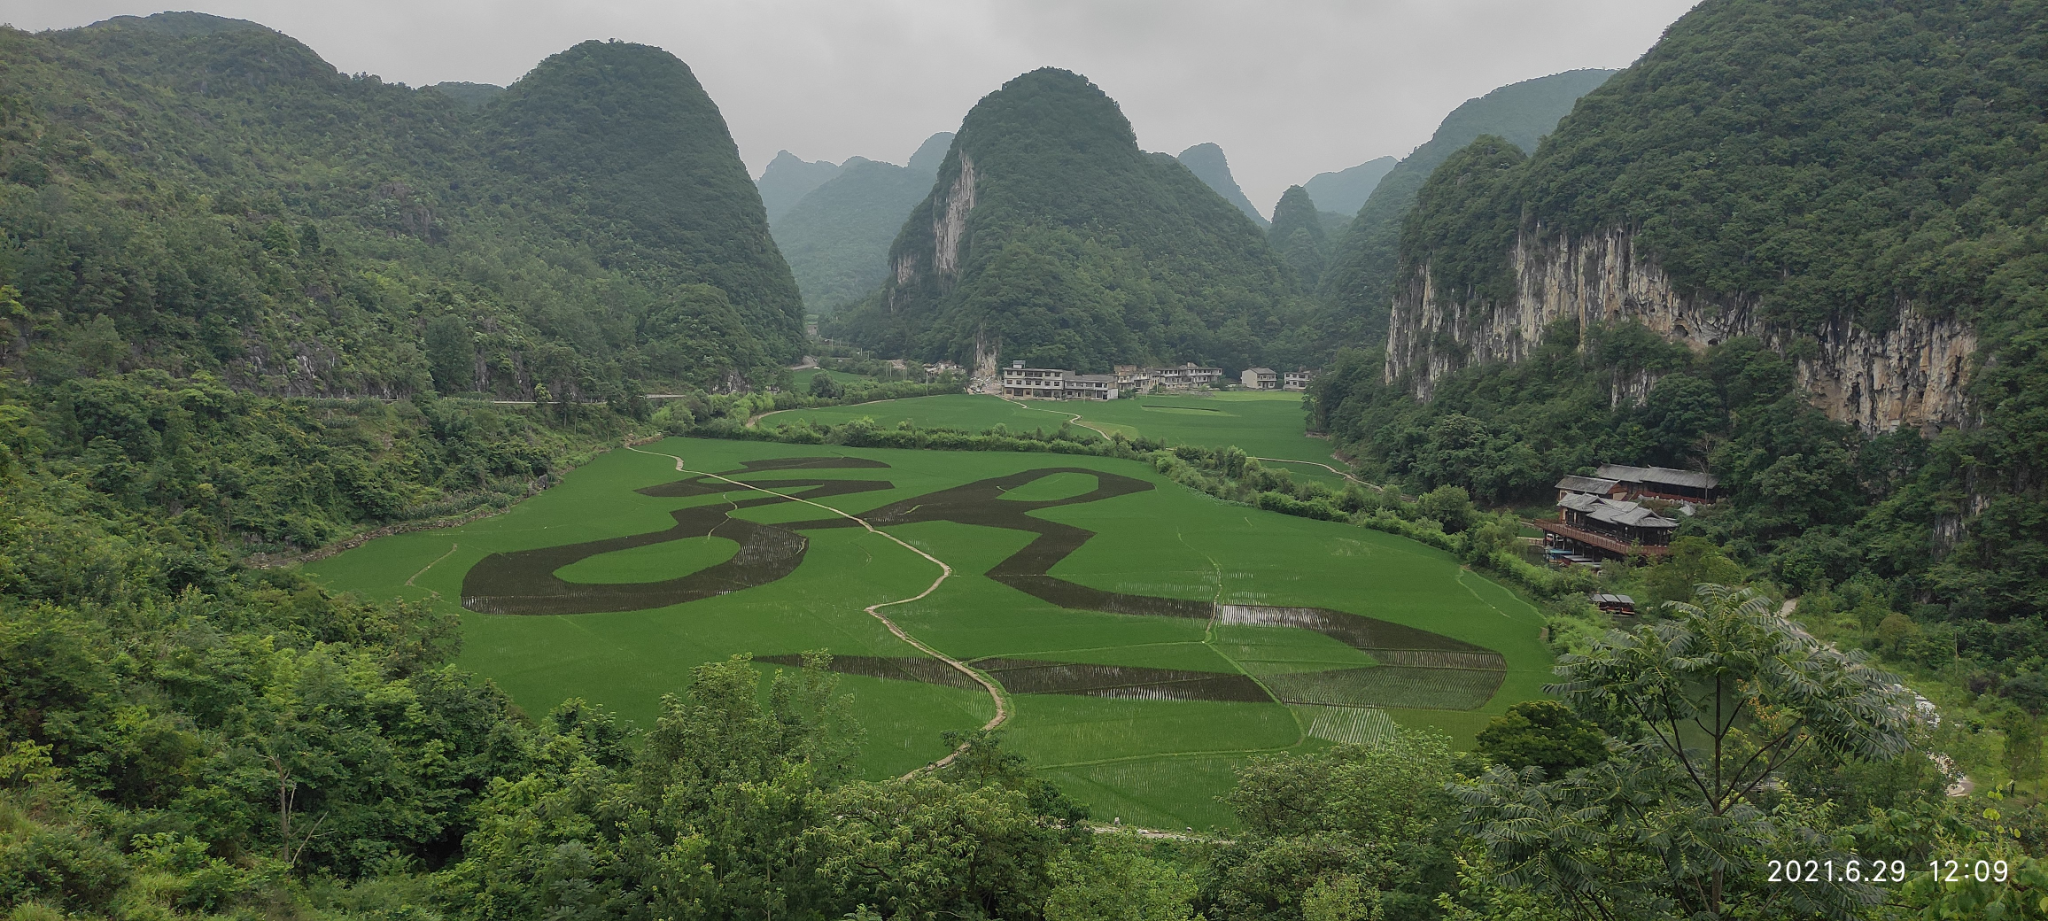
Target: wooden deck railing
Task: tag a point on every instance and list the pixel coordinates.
(1597, 539)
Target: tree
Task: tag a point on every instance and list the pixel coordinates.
(1545, 734)
(1369, 825)
(1450, 506)
(451, 354)
(1714, 702)
(2022, 743)
(1116, 880)
(824, 387)
(1692, 561)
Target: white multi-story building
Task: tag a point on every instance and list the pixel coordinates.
(1296, 380)
(1091, 387)
(1260, 379)
(1186, 376)
(1042, 383)
(1057, 384)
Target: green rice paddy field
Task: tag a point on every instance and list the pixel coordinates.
(1150, 638)
(1263, 424)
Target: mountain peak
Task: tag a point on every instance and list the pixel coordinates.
(1209, 164)
(181, 24)
(788, 178)
(1049, 236)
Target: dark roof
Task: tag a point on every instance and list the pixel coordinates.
(1605, 598)
(1611, 511)
(1663, 476)
(1586, 484)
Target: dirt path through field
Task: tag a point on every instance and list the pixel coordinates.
(995, 691)
(1074, 418)
(757, 417)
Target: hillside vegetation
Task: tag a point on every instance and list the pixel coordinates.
(195, 194)
(837, 236)
(1830, 161)
(1298, 235)
(1356, 294)
(1051, 233)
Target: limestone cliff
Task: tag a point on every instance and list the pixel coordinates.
(1912, 374)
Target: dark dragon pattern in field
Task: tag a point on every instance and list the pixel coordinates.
(1416, 668)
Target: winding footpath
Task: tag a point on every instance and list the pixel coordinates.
(1074, 418)
(995, 691)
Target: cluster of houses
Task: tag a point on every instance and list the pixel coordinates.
(1621, 510)
(1061, 384)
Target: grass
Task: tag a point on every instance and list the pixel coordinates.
(1154, 762)
(1263, 424)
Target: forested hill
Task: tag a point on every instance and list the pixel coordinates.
(1358, 286)
(197, 194)
(1051, 236)
(837, 236)
(1822, 224)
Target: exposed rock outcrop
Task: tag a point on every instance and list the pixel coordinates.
(949, 223)
(1911, 374)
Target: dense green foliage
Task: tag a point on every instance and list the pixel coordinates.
(196, 194)
(1879, 160)
(183, 736)
(1357, 292)
(1823, 157)
(837, 236)
(1855, 521)
(1072, 248)
(1346, 190)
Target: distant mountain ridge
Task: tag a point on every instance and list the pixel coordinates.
(1357, 290)
(788, 178)
(256, 215)
(836, 238)
(1346, 190)
(1050, 237)
(1209, 164)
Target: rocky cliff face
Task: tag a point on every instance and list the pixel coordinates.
(1911, 374)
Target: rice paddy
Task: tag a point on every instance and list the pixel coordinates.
(1264, 424)
(1148, 638)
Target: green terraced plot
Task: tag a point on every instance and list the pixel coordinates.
(1151, 638)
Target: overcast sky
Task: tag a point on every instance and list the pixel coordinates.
(1290, 88)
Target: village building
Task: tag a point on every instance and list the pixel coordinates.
(1260, 379)
(1039, 383)
(1091, 387)
(1614, 604)
(1599, 519)
(1296, 380)
(1661, 483)
(1057, 384)
(1186, 377)
(1134, 379)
